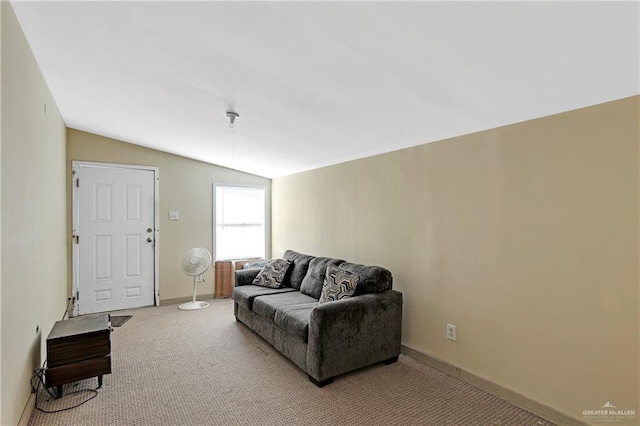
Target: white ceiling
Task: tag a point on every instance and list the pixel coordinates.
(324, 82)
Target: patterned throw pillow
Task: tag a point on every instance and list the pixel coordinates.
(272, 274)
(338, 284)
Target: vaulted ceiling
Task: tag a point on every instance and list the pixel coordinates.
(318, 83)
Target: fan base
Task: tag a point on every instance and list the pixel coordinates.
(192, 306)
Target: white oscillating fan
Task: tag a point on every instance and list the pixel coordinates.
(194, 264)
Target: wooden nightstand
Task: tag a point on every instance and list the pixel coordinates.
(224, 279)
(226, 275)
(78, 348)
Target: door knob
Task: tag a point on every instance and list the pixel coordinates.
(149, 240)
(149, 229)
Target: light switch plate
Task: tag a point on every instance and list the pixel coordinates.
(451, 332)
(174, 215)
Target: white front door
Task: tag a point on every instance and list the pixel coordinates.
(115, 237)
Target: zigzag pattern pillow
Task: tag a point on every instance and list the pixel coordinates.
(272, 274)
(338, 284)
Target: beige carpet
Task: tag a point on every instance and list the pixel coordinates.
(203, 368)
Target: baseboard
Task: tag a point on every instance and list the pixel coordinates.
(185, 299)
(28, 410)
(488, 386)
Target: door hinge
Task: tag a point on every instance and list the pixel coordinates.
(78, 183)
(77, 296)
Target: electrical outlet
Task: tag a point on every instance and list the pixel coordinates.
(451, 332)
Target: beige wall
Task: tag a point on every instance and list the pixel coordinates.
(525, 237)
(0, 211)
(34, 271)
(185, 185)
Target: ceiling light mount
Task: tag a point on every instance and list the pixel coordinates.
(232, 117)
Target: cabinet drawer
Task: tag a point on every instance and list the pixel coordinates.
(78, 371)
(77, 348)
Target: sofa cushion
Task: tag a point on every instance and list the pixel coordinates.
(244, 295)
(298, 270)
(266, 306)
(312, 282)
(373, 279)
(295, 319)
(245, 276)
(338, 284)
(272, 274)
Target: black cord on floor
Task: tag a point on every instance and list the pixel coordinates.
(38, 379)
(38, 376)
(66, 311)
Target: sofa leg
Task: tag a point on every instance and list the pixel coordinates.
(321, 383)
(390, 360)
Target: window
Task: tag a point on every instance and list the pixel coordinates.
(240, 222)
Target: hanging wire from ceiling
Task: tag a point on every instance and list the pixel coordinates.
(232, 120)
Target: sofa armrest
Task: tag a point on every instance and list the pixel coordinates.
(245, 276)
(354, 332)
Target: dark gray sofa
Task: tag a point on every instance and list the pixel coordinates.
(323, 339)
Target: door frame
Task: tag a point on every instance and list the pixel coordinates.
(75, 220)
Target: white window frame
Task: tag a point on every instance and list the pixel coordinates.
(267, 216)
